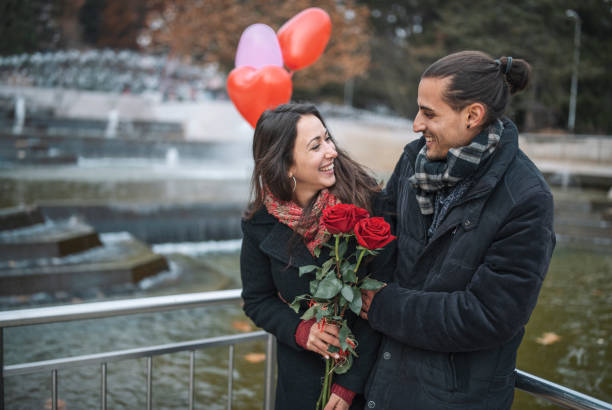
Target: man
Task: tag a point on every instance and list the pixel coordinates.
(474, 220)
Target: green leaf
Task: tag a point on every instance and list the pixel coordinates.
(316, 252)
(344, 367)
(333, 349)
(327, 264)
(310, 313)
(307, 268)
(297, 302)
(371, 284)
(295, 305)
(342, 302)
(321, 313)
(355, 305)
(347, 272)
(314, 284)
(347, 292)
(343, 334)
(328, 287)
(342, 249)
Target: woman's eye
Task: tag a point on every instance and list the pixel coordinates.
(315, 147)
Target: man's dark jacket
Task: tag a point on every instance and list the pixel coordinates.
(454, 313)
(269, 263)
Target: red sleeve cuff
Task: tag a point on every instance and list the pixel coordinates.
(302, 332)
(344, 393)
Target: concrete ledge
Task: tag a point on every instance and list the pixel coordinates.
(79, 277)
(122, 261)
(66, 246)
(19, 217)
(47, 240)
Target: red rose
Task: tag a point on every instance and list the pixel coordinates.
(373, 233)
(342, 218)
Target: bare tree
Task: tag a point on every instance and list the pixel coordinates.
(209, 31)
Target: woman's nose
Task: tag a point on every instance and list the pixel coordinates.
(331, 150)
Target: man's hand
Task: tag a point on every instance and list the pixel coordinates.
(366, 301)
(336, 403)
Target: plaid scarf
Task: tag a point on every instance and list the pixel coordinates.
(290, 213)
(431, 176)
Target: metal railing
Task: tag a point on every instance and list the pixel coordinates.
(531, 384)
(126, 307)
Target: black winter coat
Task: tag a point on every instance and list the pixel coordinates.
(454, 315)
(269, 272)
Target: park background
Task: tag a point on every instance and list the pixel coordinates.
(90, 73)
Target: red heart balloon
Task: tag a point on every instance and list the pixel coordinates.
(304, 37)
(255, 90)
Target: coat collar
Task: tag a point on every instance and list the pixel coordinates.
(487, 178)
(279, 239)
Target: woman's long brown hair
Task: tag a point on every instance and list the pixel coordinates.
(273, 144)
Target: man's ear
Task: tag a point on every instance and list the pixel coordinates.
(476, 115)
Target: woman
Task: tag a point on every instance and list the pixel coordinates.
(299, 171)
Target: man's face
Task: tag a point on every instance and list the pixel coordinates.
(442, 126)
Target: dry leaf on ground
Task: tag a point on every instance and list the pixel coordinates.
(255, 357)
(242, 325)
(548, 338)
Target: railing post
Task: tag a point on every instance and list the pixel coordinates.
(1, 369)
(103, 387)
(191, 377)
(149, 383)
(230, 376)
(269, 373)
(54, 389)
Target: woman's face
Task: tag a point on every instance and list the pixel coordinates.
(313, 159)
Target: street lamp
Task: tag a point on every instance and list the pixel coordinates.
(571, 120)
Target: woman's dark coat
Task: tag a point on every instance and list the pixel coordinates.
(269, 274)
(454, 315)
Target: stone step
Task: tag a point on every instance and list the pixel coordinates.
(19, 217)
(156, 222)
(121, 259)
(47, 240)
(32, 151)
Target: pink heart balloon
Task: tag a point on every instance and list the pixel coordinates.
(258, 47)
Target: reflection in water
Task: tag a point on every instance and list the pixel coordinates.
(574, 303)
(198, 270)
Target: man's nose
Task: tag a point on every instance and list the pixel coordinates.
(418, 125)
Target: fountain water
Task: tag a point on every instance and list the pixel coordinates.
(19, 115)
(113, 122)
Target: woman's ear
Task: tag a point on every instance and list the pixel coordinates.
(476, 114)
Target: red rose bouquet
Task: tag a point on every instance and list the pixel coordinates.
(336, 286)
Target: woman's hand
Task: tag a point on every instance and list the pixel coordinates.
(321, 337)
(336, 403)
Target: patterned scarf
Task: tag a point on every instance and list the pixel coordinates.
(290, 213)
(461, 162)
